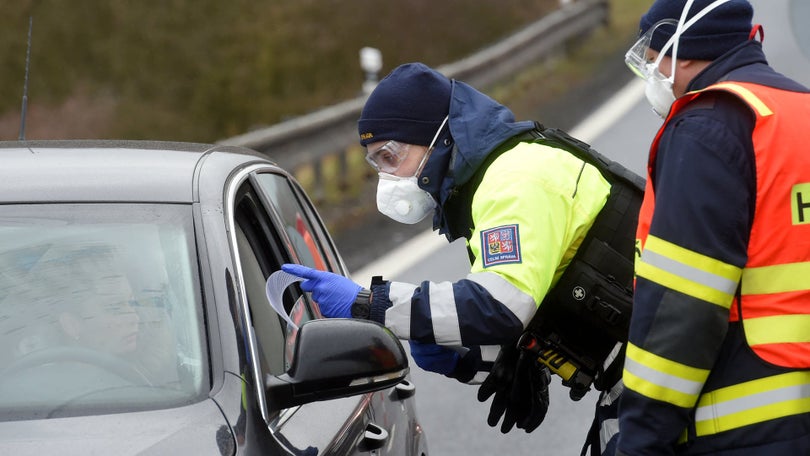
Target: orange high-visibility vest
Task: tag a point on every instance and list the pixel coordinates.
(774, 295)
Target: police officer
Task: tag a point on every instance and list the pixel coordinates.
(719, 344)
(444, 149)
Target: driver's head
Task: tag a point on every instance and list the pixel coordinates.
(94, 299)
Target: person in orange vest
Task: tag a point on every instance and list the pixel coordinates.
(718, 357)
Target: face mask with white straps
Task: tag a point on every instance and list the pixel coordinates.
(659, 91)
(401, 198)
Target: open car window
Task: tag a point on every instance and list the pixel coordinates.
(273, 225)
(100, 310)
(263, 245)
(301, 224)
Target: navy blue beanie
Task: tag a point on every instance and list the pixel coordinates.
(408, 106)
(723, 28)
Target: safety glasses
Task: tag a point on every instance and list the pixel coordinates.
(389, 157)
(638, 58)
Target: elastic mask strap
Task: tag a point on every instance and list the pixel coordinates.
(430, 147)
(677, 37)
(682, 27)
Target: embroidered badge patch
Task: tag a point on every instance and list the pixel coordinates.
(501, 245)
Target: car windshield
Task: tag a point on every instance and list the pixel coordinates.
(100, 309)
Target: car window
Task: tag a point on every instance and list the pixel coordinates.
(263, 246)
(309, 239)
(100, 309)
(274, 223)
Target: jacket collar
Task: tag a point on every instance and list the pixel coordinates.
(744, 63)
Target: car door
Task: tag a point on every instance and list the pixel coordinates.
(274, 223)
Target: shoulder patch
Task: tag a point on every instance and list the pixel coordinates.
(501, 245)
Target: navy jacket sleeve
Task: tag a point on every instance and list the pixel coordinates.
(704, 190)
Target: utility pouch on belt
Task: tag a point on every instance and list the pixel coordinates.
(586, 314)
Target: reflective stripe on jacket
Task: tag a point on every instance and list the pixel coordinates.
(773, 290)
(530, 211)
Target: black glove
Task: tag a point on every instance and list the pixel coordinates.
(520, 386)
(530, 393)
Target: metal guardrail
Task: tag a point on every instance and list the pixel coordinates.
(309, 138)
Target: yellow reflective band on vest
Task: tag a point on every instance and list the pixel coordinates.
(688, 272)
(662, 379)
(753, 402)
(791, 328)
(779, 278)
(777, 329)
(747, 95)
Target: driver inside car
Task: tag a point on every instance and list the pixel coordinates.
(103, 317)
(78, 308)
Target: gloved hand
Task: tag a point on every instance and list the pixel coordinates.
(434, 358)
(520, 386)
(531, 411)
(334, 293)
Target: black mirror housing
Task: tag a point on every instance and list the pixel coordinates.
(336, 358)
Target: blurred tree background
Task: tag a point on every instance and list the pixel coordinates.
(203, 70)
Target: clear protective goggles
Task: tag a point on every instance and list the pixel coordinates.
(639, 58)
(392, 154)
(389, 157)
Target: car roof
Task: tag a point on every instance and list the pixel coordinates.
(107, 171)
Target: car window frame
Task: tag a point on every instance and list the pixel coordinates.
(247, 176)
(333, 260)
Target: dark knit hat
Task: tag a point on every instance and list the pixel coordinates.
(723, 28)
(408, 105)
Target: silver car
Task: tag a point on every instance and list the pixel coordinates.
(134, 317)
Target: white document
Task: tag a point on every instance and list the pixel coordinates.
(276, 284)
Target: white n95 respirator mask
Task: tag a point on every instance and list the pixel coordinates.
(401, 199)
(659, 94)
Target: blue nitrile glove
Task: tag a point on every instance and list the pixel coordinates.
(434, 358)
(334, 293)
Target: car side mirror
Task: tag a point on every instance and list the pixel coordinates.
(335, 358)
